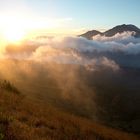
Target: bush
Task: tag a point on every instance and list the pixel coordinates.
(6, 85)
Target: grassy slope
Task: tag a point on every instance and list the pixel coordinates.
(24, 119)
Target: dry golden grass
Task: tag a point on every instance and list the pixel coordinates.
(24, 119)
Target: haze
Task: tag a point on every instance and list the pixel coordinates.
(69, 70)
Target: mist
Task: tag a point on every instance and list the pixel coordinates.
(77, 50)
(77, 75)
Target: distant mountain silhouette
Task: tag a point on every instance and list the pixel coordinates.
(90, 34)
(121, 29)
(113, 31)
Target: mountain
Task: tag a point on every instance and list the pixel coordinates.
(90, 34)
(123, 28)
(111, 32)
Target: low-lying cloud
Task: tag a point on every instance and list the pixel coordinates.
(74, 73)
(77, 50)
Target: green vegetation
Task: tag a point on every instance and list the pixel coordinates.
(1, 136)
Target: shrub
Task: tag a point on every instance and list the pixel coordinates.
(6, 85)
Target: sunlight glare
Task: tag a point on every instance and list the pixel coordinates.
(13, 28)
(13, 35)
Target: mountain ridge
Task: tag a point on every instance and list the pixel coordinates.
(111, 32)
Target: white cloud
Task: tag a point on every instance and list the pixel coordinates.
(76, 49)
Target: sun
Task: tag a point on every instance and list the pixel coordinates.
(13, 27)
(13, 34)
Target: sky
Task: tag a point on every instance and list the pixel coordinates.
(69, 15)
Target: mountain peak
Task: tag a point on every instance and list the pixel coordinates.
(122, 28)
(111, 32)
(90, 34)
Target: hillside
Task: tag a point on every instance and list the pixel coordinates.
(22, 118)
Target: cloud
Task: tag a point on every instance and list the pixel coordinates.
(117, 37)
(124, 42)
(107, 51)
(50, 54)
(69, 72)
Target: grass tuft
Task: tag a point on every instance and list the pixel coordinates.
(6, 85)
